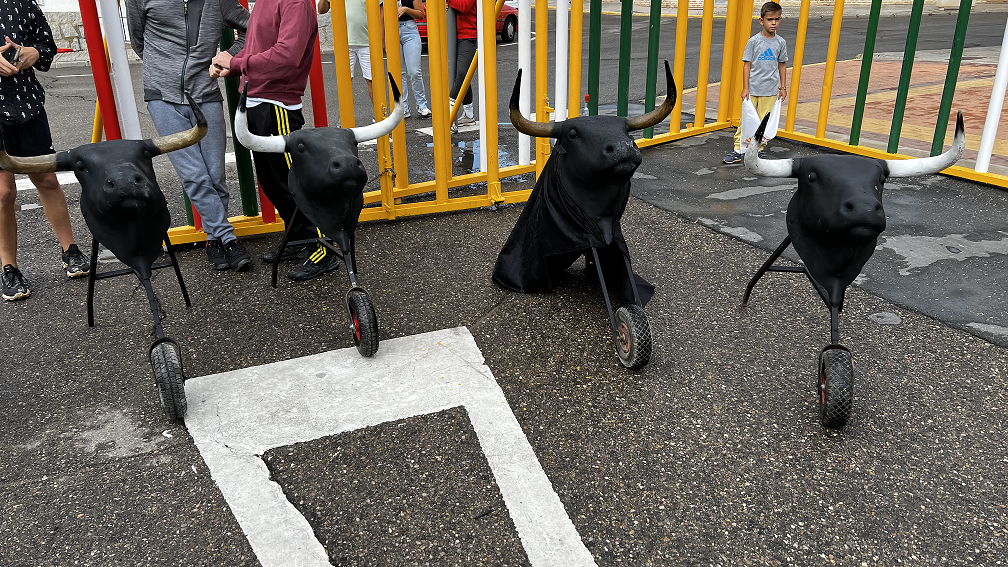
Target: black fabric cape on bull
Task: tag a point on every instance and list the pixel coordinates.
(550, 235)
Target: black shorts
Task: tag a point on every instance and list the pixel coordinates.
(29, 139)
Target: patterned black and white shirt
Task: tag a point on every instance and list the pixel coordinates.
(21, 96)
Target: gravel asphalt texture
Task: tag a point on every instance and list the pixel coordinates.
(710, 455)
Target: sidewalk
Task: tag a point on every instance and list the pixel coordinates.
(972, 94)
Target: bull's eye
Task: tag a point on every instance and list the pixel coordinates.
(301, 148)
(573, 133)
(79, 166)
(812, 177)
(146, 154)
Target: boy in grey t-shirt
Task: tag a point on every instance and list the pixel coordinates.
(764, 70)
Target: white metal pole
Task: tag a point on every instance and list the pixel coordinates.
(994, 108)
(481, 64)
(122, 83)
(525, 64)
(562, 39)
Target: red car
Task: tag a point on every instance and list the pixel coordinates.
(507, 24)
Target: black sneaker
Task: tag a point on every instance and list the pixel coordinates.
(215, 253)
(733, 157)
(238, 258)
(14, 285)
(320, 262)
(295, 252)
(75, 262)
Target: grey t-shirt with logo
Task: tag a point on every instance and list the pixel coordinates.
(764, 53)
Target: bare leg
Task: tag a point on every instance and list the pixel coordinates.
(55, 207)
(8, 224)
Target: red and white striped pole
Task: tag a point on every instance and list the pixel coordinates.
(99, 68)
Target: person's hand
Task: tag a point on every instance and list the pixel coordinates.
(782, 92)
(745, 93)
(221, 65)
(402, 10)
(322, 6)
(7, 69)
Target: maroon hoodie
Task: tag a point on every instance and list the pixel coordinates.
(279, 46)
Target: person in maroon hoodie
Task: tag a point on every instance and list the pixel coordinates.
(465, 50)
(276, 59)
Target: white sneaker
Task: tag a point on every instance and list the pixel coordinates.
(464, 120)
(424, 113)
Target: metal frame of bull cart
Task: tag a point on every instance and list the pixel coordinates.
(364, 321)
(630, 327)
(165, 354)
(835, 378)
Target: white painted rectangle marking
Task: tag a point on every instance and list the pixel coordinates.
(235, 417)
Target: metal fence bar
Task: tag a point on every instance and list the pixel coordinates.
(654, 32)
(866, 63)
(437, 45)
(390, 15)
(594, 54)
(542, 45)
(623, 87)
(796, 66)
(830, 71)
(904, 84)
(951, 76)
(488, 95)
(679, 71)
(994, 108)
(700, 112)
(243, 158)
(341, 59)
(574, 70)
(727, 67)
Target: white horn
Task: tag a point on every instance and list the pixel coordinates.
(766, 167)
(379, 129)
(934, 164)
(264, 144)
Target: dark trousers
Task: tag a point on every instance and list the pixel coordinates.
(465, 50)
(272, 170)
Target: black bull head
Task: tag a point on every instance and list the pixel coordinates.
(596, 155)
(326, 177)
(836, 215)
(121, 201)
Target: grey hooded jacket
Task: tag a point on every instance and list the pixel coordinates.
(177, 39)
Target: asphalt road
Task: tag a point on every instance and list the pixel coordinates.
(710, 455)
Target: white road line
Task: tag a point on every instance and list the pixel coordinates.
(64, 178)
(741, 192)
(236, 416)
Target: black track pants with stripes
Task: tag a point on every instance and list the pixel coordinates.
(267, 119)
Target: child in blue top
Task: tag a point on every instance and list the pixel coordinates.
(765, 69)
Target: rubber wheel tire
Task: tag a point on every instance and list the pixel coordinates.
(836, 387)
(633, 339)
(166, 362)
(365, 323)
(509, 30)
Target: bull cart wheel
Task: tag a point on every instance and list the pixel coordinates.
(836, 386)
(166, 362)
(633, 336)
(365, 322)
